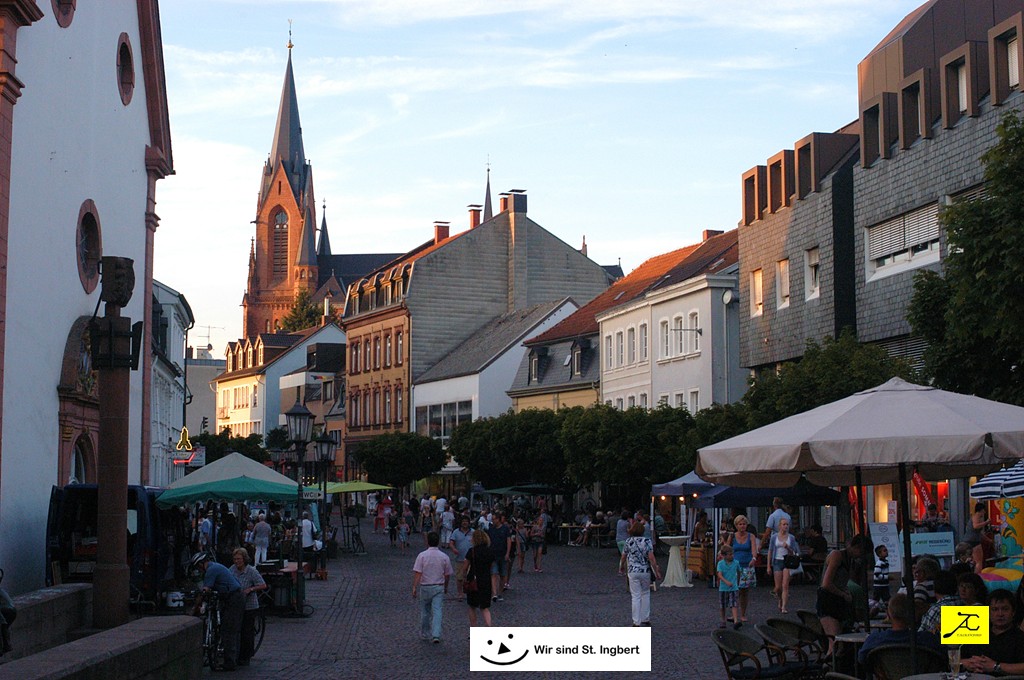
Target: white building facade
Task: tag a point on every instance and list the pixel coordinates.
(677, 343)
(172, 318)
(84, 136)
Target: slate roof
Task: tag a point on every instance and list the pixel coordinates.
(556, 370)
(614, 271)
(349, 268)
(494, 339)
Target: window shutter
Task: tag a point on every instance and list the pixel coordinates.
(885, 238)
(977, 193)
(923, 225)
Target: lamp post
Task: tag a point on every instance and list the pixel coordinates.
(300, 425)
(324, 447)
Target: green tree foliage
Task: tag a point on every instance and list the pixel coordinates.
(827, 372)
(219, 445)
(304, 313)
(400, 458)
(973, 317)
(513, 448)
(277, 438)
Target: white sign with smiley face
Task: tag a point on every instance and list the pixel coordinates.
(560, 649)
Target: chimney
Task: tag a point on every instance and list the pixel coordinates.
(474, 215)
(583, 250)
(502, 202)
(710, 233)
(517, 200)
(441, 230)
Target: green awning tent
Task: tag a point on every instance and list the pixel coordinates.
(231, 478)
(354, 486)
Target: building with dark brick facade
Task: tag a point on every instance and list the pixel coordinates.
(833, 230)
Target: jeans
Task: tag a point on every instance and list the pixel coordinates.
(640, 592)
(431, 602)
(232, 610)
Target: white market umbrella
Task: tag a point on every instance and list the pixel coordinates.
(874, 435)
(942, 434)
(1005, 483)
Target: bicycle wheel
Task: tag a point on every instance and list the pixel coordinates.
(260, 626)
(214, 648)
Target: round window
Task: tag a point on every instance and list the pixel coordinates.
(63, 11)
(88, 246)
(125, 69)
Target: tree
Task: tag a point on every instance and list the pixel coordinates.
(513, 448)
(219, 445)
(973, 316)
(400, 458)
(304, 313)
(277, 438)
(827, 372)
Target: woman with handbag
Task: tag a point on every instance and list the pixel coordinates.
(477, 577)
(783, 555)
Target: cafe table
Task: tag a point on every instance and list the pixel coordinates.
(855, 639)
(675, 573)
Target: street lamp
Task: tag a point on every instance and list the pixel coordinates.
(324, 447)
(300, 425)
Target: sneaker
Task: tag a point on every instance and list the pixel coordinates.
(500, 598)
(437, 641)
(494, 598)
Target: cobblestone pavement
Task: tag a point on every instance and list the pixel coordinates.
(366, 624)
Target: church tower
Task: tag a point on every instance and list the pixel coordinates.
(283, 258)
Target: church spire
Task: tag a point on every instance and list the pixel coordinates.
(323, 248)
(488, 212)
(306, 257)
(253, 277)
(287, 147)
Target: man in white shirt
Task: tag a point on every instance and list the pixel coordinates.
(430, 576)
(771, 527)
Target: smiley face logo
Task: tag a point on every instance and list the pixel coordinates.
(503, 649)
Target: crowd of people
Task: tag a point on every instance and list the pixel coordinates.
(486, 549)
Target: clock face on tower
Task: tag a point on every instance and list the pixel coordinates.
(88, 246)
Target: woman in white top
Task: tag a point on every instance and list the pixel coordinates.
(781, 544)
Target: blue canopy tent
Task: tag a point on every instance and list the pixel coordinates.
(804, 493)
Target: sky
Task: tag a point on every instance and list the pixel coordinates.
(628, 122)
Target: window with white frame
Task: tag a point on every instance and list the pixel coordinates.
(666, 342)
(376, 352)
(756, 293)
(643, 342)
(693, 404)
(680, 339)
(905, 242)
(782, 283)
(662, 399)
(618, 403)
(812, 269)
(399, 413)
(618, 348)
(680, 400)
(387, 349)
(607, 402)
(387, 406)
(534, 367)
(643, 400)
(577, 361)
(399, 347)
(694, 327)
(608, 351)
(367, 354)
(631, 401)
(631, 345)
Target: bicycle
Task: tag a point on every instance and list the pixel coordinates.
(357, 543)
(213, 644)
(260, 625)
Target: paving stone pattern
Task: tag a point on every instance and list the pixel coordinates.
(366, 624)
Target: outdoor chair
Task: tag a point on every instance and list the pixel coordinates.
(814, 645)
(740, 656)
(893, 662)
(788, 650)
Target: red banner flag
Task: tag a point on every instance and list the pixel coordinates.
(924, 493)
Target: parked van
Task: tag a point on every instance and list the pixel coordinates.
(157, 540)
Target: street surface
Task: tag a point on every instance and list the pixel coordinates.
(366, 624)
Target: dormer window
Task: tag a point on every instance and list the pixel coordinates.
(387, 295)
(534, 367)
(577, 361)
(260, 355)
(248, 357)
(230, 363)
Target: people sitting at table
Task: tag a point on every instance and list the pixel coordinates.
(946, 595)
(899, 633)
(700, 528)
(584, 534)
(814, 547)
(1004, 653)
